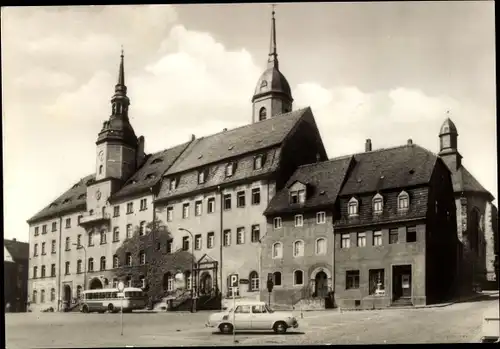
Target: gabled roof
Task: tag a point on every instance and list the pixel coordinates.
(464, 181)
(151, 172)
(324, 181)
(72, 199)
(238, 141)
(18, 250)
(390, 168)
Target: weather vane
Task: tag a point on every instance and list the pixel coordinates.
(273, 6)
(122, 49)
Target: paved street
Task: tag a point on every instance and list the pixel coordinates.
(457, 323)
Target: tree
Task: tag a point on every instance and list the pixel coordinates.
(158, 261)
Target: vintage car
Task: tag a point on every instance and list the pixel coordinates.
(491, 326)
(252, 316)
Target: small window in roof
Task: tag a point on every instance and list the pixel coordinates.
(157, 160)
(150, 176)
(230, 147)
(82, 196)
(90, 181)
(54, 204)
(263, 84)
(76, 185)
(200, 156)
(66, 200)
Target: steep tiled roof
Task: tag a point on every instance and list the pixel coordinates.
(188, 182)
(324, 181)
(464, 181)
(390, 168)
(151, 172)
(73, 199)
(238, 141)
(17, 249)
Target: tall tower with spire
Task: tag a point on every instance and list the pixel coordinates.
(117, 145)
(272, 94)
(448, 145)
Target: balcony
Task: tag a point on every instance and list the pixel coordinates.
(96, 217)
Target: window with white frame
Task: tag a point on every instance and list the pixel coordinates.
(103, 236)
(185, 243)
(210, 239)
(211, 205)
(255, 196)
(255, 233)
(128, 281)
(240, 235)
(299, 220)
(142, 257)
(170, 214)
(185, 210)
(130, 207)
(302, 196)
(361, 239)
(142, 228)
(320, 246)
(143, 281)
(90, 267)
(298, 248)
(128, 259)
(116, 261)
(352, 207)
(129, 231)
(197, 242)
(116, 211)
(277, 222)
(377, 238)
(170, 283)
(298, 277)
(201, 177)
(103, 263)
(143, 204)
(197, 208)
(79, 266)
(254, 281)
(277, 250)
(116, 234)
(240, 199)
(173, 184)
(53, 246)
(227, 237)
(257, 163)
(403, 201)
(378, 203)
(227, 201)
(320, 218)
(229, 169)
(345, 241)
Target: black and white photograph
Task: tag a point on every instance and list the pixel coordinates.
(246, 174)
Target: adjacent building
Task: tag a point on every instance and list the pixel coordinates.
(209, 194)
(477, 217)
(395, 231)
(15, 275)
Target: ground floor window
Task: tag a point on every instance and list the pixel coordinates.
(352, 279)
(277, 278)
(254, 281)
(377, 283)
(298, 277)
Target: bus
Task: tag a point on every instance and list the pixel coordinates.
(110, 300)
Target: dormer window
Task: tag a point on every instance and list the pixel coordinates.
(150, 176)
(201, 177)
(257, 162)
(352, 207)
(82, 196)
(297, 197)
(403, 201)
(229, 169)
(157, 160)
(378, 204)
(173, 183)
(263, 84)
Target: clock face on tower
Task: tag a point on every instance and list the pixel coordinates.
(101, 155)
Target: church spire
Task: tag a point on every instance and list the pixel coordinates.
(120, 101)
(272, 61)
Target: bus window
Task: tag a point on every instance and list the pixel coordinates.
(115, 295)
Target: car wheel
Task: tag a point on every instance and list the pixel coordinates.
(85, 309)
(280, 327)
(111, 308)
(226, 328)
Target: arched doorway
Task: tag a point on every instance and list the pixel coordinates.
(67, 296)
(321, 285)
(206, 283)
(95, 284)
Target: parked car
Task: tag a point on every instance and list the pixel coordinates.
(252, 316)
(491, 326)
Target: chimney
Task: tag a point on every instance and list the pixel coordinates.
(410, 142)
(368, 145)
(224, 130)
(193, 137)
(14, 239)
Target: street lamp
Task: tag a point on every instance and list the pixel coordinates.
(84, 265)
(192, 266)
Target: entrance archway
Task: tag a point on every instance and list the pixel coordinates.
(321, 284)
(206, 283)
(67, 296)
(95, 284)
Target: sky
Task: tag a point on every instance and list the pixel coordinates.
(384, 71)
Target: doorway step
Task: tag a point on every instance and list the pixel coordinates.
(402, 302)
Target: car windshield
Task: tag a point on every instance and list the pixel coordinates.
(268, 308)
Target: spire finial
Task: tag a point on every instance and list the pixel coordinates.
(121, 72)
(273, 52)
